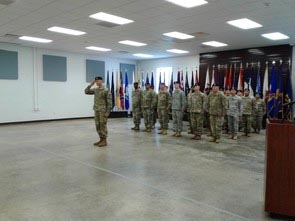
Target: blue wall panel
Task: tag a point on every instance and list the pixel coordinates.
(94, 69)
(54, 68)
(8, 65)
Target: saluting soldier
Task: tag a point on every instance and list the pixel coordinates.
(248, 108)
(136, 106)
(102, 108)
(164, 104)
(217, 108)
(233, 112)
(147, 106)
(259, 111)
(197, 105)
(178, 106)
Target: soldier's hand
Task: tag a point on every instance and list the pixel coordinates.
(106, 115)
(92, 83)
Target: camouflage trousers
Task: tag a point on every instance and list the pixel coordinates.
(163, 118)
(257, 122)
(154, 117)
(207, 120)
(233, 124)
(225, 123)
(177, 117)
(197, 120)
(136, 112)
(247, 122)
(101, 124)
(148, 117)
(216, 122)
(189, 118)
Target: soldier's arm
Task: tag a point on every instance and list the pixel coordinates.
(205, 105)
(109, 103)
(88, 89)
(169, 100)
(184, 102)
(224, 105)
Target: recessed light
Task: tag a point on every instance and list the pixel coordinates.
(244, 23)
(178, 35)
(214, 44)
(132, 43)
(97, 48)
(177, 51)
(275, 36)
(188, 3)
(66, 31)
(143, 55)
(34, 39)
(111, 18)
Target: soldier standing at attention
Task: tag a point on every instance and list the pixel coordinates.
(217, 109)
(102, 108)
(240, 94)
(190, 130)
(225, 123)
(178, 106)
(136, 106)
(197, 106)
(233, 112)
(164, 104)
(259, 111)
(248, 108)
(148, 103)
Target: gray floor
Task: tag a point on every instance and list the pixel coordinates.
(51, 171)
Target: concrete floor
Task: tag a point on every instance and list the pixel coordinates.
(51, 171)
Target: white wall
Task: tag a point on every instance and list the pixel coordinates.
(30, 98)
(184, 63)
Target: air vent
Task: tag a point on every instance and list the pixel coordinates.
(200, 34)
(6, 2)
(12, 36)
(107, 24)
(123, 52)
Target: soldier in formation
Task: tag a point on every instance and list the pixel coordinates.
(233, 112)
(259, 111)
(148, 104)
(136, 106)
(164, 105)
(248, 110)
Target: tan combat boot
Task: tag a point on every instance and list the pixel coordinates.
(98, 142)
(164, 132)
(103, 143)
(177, 134)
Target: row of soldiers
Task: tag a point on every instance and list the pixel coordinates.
(212, 108)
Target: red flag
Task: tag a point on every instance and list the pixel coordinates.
(121, 91)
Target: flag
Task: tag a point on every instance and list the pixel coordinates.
(192, 80)
(164, 78)
(160, 80)
(240, 80)
(197, 77)
(186, 89)
(288, 98)
(248, 83)
(258, 83)
(126, 91)
(217, 74)
(108, 81)
(121, 91)
(142, 80)
(213, 77)
(152, 81)
(133, 78)
(171, 84)
(113, 90)
(147, 80)
(271, 100)
(207, 81)
(118, 102)
(181, 81)
(229, 77)
(265, 83)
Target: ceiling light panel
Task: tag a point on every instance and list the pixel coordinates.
(214, 44)
(177, 51)
(102, 16)
(188, 3)
(132, 43)
(66, 31)
(143, 55)
(178, 35)
(275, 36)
(34, 39)
(97, 48)
(244, 23)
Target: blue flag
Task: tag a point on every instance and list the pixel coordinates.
(108, 81)
(186, 89)
(113, 90)
(171, 84)
(142, 80)
(126, 92)
(272, 96)
(258, 83)
(193, 79)
(152, 81)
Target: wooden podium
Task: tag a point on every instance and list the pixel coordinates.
(280, 168)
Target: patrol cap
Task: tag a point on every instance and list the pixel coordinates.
(239, 90)
(246, 89)
(98, 78)
(135, 83)
(162, 83)
(196, 84)
(176, 82)
(147, 83)
(215, 85)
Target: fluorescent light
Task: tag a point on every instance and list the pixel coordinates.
(275, 36)
(178, 35)
(66, 31)
(111, 18)
(34, 39)
(177, 51)
(132, 43)
(97, 48)
(244, 23)
(214, 44)
(143, 55)
(188, 3)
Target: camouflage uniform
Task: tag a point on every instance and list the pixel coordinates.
(164, 103)
(197, 105)
(233, 112)
(136, 107)
(148, 103)
(217, 108)
(155, 110)
(248, 107)
(190, 130)
(259, 110)
(225, 125)
(178, 106)
(102, 105)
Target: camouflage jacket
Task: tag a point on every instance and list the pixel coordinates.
(178, 100)
(136, 98)
(102, 99)
(248, 105)
(164, 100)
(234, 106)
(259, 107)
(197, 102)
(217, 104)
(148, 99)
